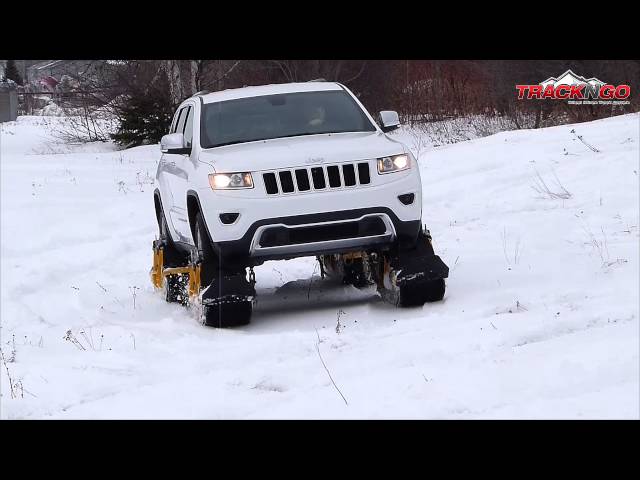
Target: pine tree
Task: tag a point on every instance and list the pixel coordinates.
(11, 72)
(145, 119)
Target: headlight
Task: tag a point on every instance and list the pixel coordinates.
(228, 181)
(393, 164)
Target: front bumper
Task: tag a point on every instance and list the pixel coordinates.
(247, 250)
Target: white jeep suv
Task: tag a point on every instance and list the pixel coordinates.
(282, 171)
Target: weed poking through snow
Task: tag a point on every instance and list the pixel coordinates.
(88, 338)
(517, 251)
(327, 370)
(133, 290)
(12, 358)
(601, 247)
(419, 142)
(339, 326)
(122, 187)
(147, 180)
(13, 385)
(555, 192)
(579, 137)
(104, 289)
(70, 337)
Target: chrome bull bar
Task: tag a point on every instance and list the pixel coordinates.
(312, 247)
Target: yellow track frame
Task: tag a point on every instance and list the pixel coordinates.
(158, 272)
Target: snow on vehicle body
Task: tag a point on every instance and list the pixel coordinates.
(282, 171)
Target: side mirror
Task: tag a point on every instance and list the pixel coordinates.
(389, 120)
(174, 143)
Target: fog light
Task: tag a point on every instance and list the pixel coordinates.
(228, 218)
(407, 198)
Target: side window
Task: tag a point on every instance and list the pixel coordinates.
(183, 117)
(176, 119)
(188, 127)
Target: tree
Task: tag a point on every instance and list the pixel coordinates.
(11, 72)
(145, 101)
(144, 119)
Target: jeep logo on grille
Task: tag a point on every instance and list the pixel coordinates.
(315, 160)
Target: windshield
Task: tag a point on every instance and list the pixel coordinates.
(281, 115)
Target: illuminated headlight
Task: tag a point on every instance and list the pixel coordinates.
(393, 164)
(227, 181)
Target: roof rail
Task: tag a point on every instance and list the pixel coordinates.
(201, 92)
(317, 80)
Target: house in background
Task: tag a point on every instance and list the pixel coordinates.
(49, 72)
(48, 83)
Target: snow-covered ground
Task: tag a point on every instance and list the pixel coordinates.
(540, 319)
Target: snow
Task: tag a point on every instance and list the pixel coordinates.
(52, 109)
(540, 318)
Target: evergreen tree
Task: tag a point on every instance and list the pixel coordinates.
(11, 72)
(144, 119)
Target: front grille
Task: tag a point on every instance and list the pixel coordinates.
(318, 178)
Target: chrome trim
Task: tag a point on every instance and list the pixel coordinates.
(256, 250)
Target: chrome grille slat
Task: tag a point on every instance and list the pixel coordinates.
(340, 167)
(278, 182)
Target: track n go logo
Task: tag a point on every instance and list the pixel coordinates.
(577, 90)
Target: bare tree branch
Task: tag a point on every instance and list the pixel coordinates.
(364, 63)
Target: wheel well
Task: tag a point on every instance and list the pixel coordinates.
(193, 207)
(158, 206)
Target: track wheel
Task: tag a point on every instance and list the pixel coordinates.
(228, 300)
(225, 315)
(421, 292)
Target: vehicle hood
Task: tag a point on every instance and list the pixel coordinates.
(300, 151)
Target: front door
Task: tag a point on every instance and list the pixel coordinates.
(176, 167)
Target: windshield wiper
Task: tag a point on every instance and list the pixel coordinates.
(298, 135)
(283, 136)
(265, 139)
(229, 143)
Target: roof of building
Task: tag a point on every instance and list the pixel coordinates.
(45, 64)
